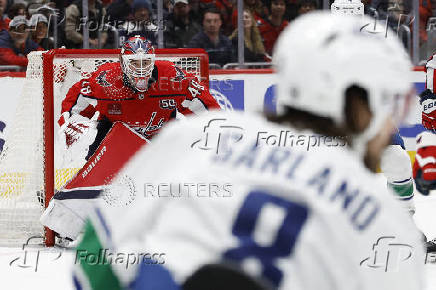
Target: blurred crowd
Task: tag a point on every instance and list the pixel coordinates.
(208, 24)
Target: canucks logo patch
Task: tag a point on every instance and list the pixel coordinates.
(101, 79)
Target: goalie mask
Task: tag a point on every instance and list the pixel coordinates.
(137, 62)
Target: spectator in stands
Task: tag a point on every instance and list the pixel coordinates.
(291, 11)
(254, 51)
(74, 24)
(168, 6)
(425, 12)
(141, 23)
(47, 10)
(106, 2)
(15, 43)
(226, 8)
(119, 11)
(367, 8)
(216, 44)
(196, 10)
(17, 9)
(393, 10)
(433, 7)
(39, 31)
(399, 17)
(4, 19)
(305, 6)
(179, 29)
(271, 27)
(256, 7)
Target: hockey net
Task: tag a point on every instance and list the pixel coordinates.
(32, 163)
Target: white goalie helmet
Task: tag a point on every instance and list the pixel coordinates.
(321, 55)
(137, 59)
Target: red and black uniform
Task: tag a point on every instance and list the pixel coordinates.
(4, 22)
(12, 55)
(270, 33)
(109, 93)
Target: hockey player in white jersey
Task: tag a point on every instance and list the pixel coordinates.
(251, 212)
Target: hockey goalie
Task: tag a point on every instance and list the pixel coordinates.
(107, 117)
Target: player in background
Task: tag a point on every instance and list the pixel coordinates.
(112, 114)
(252, 215)
(396, 166)
(424, 168)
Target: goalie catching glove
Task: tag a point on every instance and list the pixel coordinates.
(424, 168)
(76, 126)
(428, 107)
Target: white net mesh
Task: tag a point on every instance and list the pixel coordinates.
(22, 160)
(21, 163)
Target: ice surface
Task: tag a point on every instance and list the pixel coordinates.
(19, 270)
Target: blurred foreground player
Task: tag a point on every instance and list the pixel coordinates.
(107, 117)
(262, 216)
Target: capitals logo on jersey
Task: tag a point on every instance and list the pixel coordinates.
(101, 79)
(180, 75)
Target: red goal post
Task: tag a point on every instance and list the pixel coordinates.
(23, 189)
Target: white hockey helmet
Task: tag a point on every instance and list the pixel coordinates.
(321, 55)
(137, 59)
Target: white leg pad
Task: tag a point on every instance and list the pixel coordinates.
(67, 217)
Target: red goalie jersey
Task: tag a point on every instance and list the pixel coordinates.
(170, 91)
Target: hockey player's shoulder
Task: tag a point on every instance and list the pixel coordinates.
(425, 138)
(107, 75)
(164, 65)
(167, 68)
(109, 66)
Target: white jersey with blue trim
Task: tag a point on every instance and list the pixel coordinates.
(294, 208)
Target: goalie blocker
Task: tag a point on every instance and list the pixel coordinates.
(69, 207)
